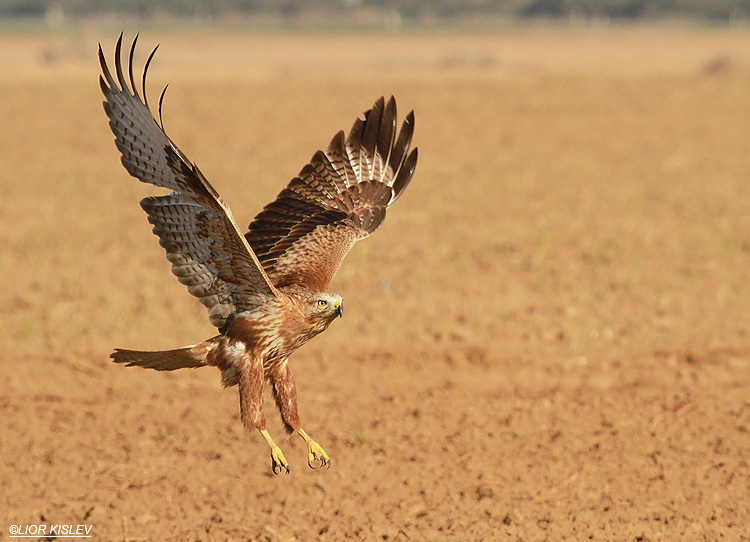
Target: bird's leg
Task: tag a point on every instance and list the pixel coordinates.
(285, 395)
(251, 410)
(278, 461)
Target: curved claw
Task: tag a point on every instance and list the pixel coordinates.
(278, 461)
(324, 462)
(315, 454)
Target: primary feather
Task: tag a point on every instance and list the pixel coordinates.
(338, 198)
(196, 228)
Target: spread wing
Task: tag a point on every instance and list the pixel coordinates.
(208, 252)
(340, 197)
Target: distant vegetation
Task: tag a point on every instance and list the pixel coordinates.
(396, 11)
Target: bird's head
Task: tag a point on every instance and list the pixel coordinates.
(324, 307)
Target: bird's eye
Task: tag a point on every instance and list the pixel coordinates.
(322, 303)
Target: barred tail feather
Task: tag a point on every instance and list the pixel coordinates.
(165, 360)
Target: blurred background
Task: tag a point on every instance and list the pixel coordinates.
(388, 13)
(547, 338)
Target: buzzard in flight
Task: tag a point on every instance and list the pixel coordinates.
(265, 290)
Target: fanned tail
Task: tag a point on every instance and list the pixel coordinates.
(187, 357)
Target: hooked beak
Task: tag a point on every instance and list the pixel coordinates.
(339, 310)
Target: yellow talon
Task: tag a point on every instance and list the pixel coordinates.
(315, 452)
(278, 461)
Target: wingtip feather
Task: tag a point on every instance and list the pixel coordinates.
(404, 175)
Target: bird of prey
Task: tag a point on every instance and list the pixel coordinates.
(265, 290)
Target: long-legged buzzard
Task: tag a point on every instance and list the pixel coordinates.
(266, 290)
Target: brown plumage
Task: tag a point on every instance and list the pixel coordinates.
(265, 290)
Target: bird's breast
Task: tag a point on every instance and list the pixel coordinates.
(272, 331)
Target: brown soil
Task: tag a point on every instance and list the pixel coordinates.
(549, 338)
